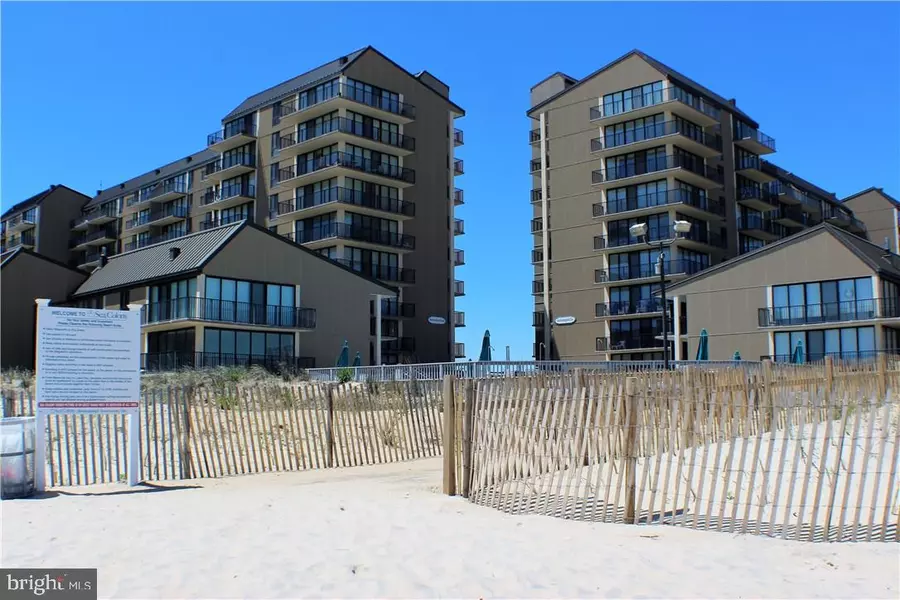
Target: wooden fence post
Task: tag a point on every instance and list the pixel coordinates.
(449, 438)
(329, 425)
(187, 398)
(882, 375)
(468, 436)
(829, 373)
(630, 449)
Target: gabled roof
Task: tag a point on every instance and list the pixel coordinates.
(8, 257)
(876, 257)
(173, 168)
(668, 72)
(154, 262)
(321, 73)
(879, 190)
(37, 199)
(552, 75)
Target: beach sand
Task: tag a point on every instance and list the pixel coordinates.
(385, 531)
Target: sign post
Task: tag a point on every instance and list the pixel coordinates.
(88, 362)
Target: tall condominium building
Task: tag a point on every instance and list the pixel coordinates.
(636, 142)
(354, 159)
(41, 223)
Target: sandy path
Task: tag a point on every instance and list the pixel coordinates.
(382, 531)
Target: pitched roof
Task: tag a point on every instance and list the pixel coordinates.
(135, 183)
(879, 190)
(885, 263)
(665, 70)
(37, 198)
(321, 73)
(552, 75)
(7, 257)
(154, 262)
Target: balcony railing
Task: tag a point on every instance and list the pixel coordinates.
(393, 309)
(459, 227)
(219, 136)
(227, 311)
(377, 101)
(459, 288)
(400, 345)
(244, 159)
(537, 195)
(633, 342)
(654, 234)
(345, 196)
(657, 130)
(227, 192)
(666, 94)
(535, 165)
(458, 139)
(172, 187)
(459, 319)
(677, 196)
(345, 159)
(755, 223)
(612, 309)
(756, 192)
(25, 218)
(383, 272)
(458, 167)
(459, 197)
(459, 258)
(830, 312)
(210, 223)
(537, 255)
(156, 239)
(534, 136)
(173, 361)
(349, 126)
(25, 239)
(172, 210)
(678, 266)
(105, 211)
(459, 350)
(652, 165)
(353, 232)
(745, 132)
(780, 188)
(109, 231)
(537, 225)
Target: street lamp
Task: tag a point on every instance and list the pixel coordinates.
(541, 351)
(639, 230)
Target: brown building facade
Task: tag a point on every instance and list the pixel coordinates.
(41, 223)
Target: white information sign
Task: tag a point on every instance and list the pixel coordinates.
(88, 361)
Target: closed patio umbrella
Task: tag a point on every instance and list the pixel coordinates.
(485, 346)
(737, 355)
(703, 346)
(343, 359)
(798, 357)
(357, 360)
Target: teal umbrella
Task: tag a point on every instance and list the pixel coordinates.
(798, 357)
(344, 358)
(357, 360)
(703, 346)
(737, 355)
(486, 346)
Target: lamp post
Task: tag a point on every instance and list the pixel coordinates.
(639, 230)
(541, 348)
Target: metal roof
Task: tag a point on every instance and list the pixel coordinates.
(163, 172)
(155, 262)
(665, 70)
(36, 199)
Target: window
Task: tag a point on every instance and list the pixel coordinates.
(173, 300)
(847, 343)
(373, 96)
(636, 163)
(637, 97)
(823, 302)
(634, 131)
(321, 92)
(237, 301)
(227, 346)
(637, 196)
(619, 232)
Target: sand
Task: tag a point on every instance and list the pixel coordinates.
(385, 531)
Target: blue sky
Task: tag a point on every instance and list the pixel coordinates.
(93, 94)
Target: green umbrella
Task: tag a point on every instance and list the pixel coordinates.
(703, 346)
(344, 358)
(798, 357)
(486, 346)
(357, 360)
(737, 355)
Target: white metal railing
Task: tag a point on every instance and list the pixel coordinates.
(484, 369)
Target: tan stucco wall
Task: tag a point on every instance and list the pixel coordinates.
(23, 279)
(341, 299)
(726, 303)
(877, 212)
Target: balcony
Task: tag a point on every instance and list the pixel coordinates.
(757, 197)
(165, 192)
(459, 319)
(537, 194)
(690, 138)
(330, 98)
(210, 223)
(538, 318)
(458, 167)
(760, 228)
(390, 329)
(459, 227)
(392, 309)
(837, 216)
(311, 169)
(459, 258)
(404, 345)
(857, 226)
(537, 225)
(458, 197)
(634, 342)
(459, 288)
(673, 268)
(753, 167)
(680, 102)
(221, 141)
(701, 239)
(323, 201)
(792, 216)
(79, 242)
(833, 312)
(383, 272)
(537, 256)
(97, 216)
(162, 216)
(688, 170)
(151, 240)
(458, 138)
(228, 196)
(534, 136)
(537, 286)
(173, 361)
(229, 166)
(24, 239)
(692, 203)
(535, 165)
(21, 222)
(103, 235)
(90, 260)
(375, 237)
(788, 194)
(307, 139)
(459, 350)
(753, 140)
(646, 306)
(226, 311)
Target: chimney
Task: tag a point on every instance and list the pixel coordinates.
(343, 60)
(99, 192)
(174, 252)
(733, 102)
(887, 243)
(103, 258)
